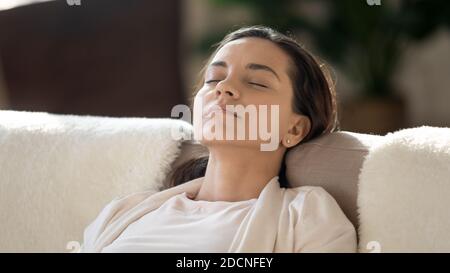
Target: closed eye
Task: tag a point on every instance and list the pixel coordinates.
(258, 84)
(211, 81)
(252, 83)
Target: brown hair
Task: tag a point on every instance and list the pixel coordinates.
(314, 96)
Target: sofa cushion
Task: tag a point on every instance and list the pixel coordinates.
(332, 161)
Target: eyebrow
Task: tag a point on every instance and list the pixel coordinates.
(251, 66)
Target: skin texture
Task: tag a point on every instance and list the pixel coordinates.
(237, 169)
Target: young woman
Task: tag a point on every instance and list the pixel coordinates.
(238, 199)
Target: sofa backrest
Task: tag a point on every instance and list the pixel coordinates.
(332, 162)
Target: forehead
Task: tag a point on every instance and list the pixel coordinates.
(253, 50)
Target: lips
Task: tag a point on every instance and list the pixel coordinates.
(219, 108)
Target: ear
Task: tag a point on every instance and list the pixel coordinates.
(298, 130)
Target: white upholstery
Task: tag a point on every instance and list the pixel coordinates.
(57, 172)
(404, 192)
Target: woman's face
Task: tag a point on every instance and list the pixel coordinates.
(252, 73)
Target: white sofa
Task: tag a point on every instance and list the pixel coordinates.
(58, 171)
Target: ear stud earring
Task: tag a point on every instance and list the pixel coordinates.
(288, 141)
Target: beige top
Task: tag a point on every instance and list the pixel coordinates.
(301, 219)
(184, 225)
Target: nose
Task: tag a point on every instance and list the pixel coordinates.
(225, 89)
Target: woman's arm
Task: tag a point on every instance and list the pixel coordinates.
(112, 211)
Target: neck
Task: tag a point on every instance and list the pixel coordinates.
(234, 174)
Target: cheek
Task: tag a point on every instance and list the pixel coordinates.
(284, 122)
(286, 110)
(284, 113)
(198, 105)
(197, 102)
(201, 99)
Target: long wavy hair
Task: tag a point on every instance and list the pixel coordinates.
(314, 96)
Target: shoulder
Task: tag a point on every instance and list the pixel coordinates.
(312, 203)
(299, 195)
(320, 224)
(308, 189)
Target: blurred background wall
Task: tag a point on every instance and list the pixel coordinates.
(391, 61)
(104, 57)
